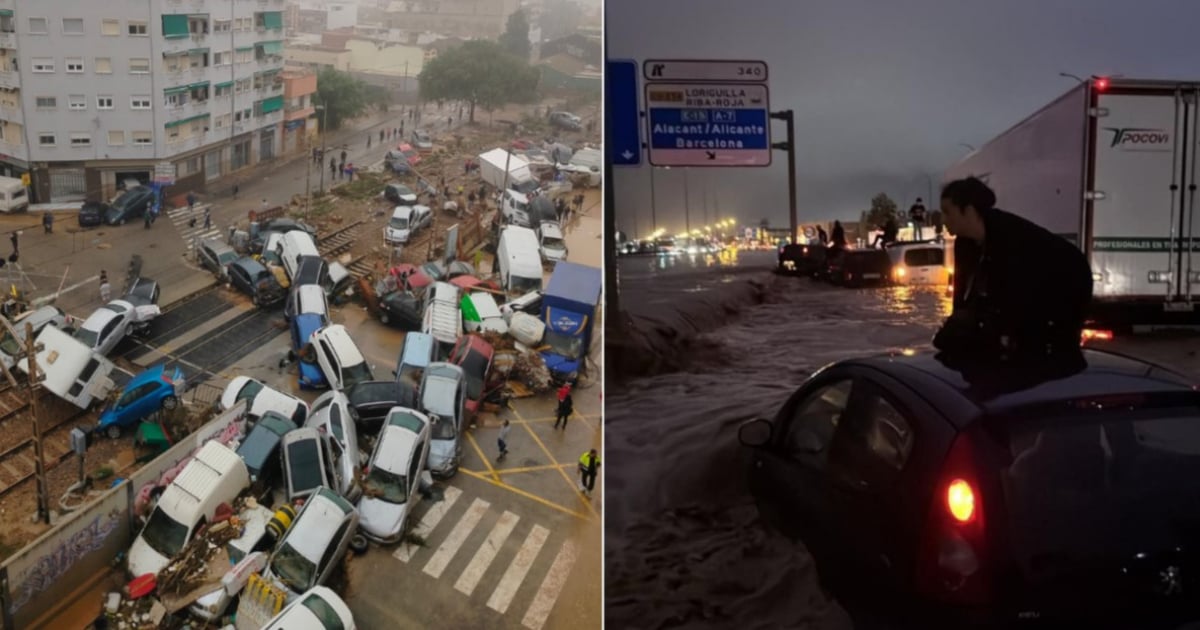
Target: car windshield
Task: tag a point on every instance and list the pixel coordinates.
(475, 365)
(227, 257)
(564, 345)
(249, 391)
(398, 223)
(325, 614)
(354, 374)
(165, 534)
(386, 486)
(294, 569)
(87, 337)
(304, 465)
(115, 307)
(552, 242)
(9, 345)
(123, 201)
(524, 285)
(370, 392)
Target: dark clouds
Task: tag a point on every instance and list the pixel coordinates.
(884, 91)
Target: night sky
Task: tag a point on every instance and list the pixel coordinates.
(884, 92)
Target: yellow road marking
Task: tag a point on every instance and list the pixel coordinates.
(486, 462)
(527, 495)
(555, 462)
(505, 471)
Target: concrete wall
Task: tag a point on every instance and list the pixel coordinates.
(319, 57)
(393, 60)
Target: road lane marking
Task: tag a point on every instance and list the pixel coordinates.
(552, 586)
(484, 458)
(458, 535)
(436, 512)
(522, 469)
(526, 494)
(487, 552)
(565, 476)
(42, 301)
(507, 588)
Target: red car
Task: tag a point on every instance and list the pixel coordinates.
(474, 356)
(412, 155)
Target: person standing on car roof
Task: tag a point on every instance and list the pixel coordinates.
(838, 238)
(916, 214)
(1020, 291)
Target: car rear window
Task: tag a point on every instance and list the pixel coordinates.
(304, 465)
(925, 257)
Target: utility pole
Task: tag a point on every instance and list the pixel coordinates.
(324, 133)
(39, 453)
(788, 116)
(308, 186)
(687, 203)
(653, 202)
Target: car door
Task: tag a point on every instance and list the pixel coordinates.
(329, 364)
(110, 335)
(144, 403)
(788, 477)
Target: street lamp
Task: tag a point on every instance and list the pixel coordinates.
(964, 144)
(1072, 76)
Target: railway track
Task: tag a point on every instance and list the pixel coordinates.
(340, 240)
(18, 462)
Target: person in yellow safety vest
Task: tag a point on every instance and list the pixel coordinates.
(589, 465)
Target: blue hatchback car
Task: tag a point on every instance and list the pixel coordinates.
(303, 327)
(146, 393)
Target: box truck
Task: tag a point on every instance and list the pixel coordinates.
(492, 165)
(1111, 166)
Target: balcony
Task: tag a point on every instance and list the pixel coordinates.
(10, 112)
(8, 40)
(10, 80)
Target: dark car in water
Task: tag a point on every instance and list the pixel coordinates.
(91, 213)
(803, 260)
(401, 309)
(132, 204)
(1062, 495)
(250, 277)
(858, 267)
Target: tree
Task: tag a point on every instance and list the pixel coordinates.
(343, 96)
(480, 73)
(882, 209)
(515, 38)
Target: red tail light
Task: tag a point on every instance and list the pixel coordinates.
(952, 564)
(1093, 334)
(1101, 83)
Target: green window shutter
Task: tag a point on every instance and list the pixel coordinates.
(273, 20)
(273, 104)
(175, 26)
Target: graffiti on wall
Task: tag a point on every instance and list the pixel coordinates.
(41, 575)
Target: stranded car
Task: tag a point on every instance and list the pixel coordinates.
(11, 347)
(315, 544)
(250, 277)
(109, 324)
(318, 609)
(393, 477)
(260, 399)
(340, 359)
(91, 214)
(307, 462)
(373, 400)
(443, 397)
(400, 194)
(401, 309)
(131, 204)
(216, 256)
(474, 356)
(333, 416)
(145, 394)
(260, 449)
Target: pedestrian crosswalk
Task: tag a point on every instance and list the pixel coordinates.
(182, 218)
(478, 516)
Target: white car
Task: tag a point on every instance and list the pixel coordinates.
(318, 609)
(333, 415)
(919, 264)
(443, 394)
(341, 361)
(550, 240)
(490, 317)
(392, 483)
(109, 324)
(315, 544)
(261, 399)
(307, 299)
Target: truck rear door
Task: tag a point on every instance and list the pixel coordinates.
(1145, 145)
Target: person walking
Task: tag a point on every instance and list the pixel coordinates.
(147, 217)
(332, 167)
(565, 407)
(381, 136)
(235, 191)
(502, 439)
(48, 222)
(105, 287)
(208, 217)
(589, 465)
(343, 156)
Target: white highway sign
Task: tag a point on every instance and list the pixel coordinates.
(696, 70)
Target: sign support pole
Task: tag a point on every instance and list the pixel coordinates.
(789, 117)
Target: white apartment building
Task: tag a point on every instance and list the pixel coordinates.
(93, 94)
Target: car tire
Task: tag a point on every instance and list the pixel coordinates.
(170, 402)
(383, 317)
(359, 544)
(122, 221)
(113, 431)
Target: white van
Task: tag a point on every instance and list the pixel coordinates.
(442, 318)
(919, 263)
(215, 475)
(72, 371)
(14, 196)
(490, 318)
(292, 246)
(551, 243)
(341, 361)
(260, 399)
(520, 260)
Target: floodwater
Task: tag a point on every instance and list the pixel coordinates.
(684, 543)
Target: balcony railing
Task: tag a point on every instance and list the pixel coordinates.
(8, 40)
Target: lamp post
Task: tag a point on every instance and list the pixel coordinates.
(653, 201)
(1072, 76)
(324, 132)
(687, 205)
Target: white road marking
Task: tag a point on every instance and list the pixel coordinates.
(552, 586)
(507, 588)
(436, 512)
(487, 552)
(458, 535)
(42, 301)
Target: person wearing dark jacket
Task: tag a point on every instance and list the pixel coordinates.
(565, 407)
(1020, 291)
(838, 237)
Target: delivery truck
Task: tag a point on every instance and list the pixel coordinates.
(569, 309)
(1111, 166)
(492, 165)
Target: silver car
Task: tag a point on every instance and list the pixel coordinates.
(333, 415)
(109, 324)
(315, 544)
(443, 397)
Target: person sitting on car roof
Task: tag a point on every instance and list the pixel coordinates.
(1019, 290)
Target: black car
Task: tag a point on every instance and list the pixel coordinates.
(253, 279)
(1066, 494)
(804, 260)
(144, 291)
(312, 270)
(858, 267)
(374, 399)
(400, 194)
(401, 309)
(132, 204)
(284, 225)
(91, 213)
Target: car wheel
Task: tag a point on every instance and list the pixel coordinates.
(359, 544)
(383, 317)
(170, 402)
(113, 431)
(122, 221)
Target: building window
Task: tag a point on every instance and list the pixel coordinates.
(212, 165)
(243, 55)
(43, 65)
(222, 26)
(81, 139)
(46, 102)
(190, 166)
(116, 138)
(139, 102)
(139, 65)
(143, 138)
(103, 65)
(38, 26)
(198, 25)
(223, 90)
(104, 102)
(173, 134)
(222, 58)
(198, 61)
(74, 65)
(199, 94)
(244, 85)
(46, 139)
(77, 102)
(73, 26)
(172, 63)
(110, 27)
(245, 24)
(137, 28)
